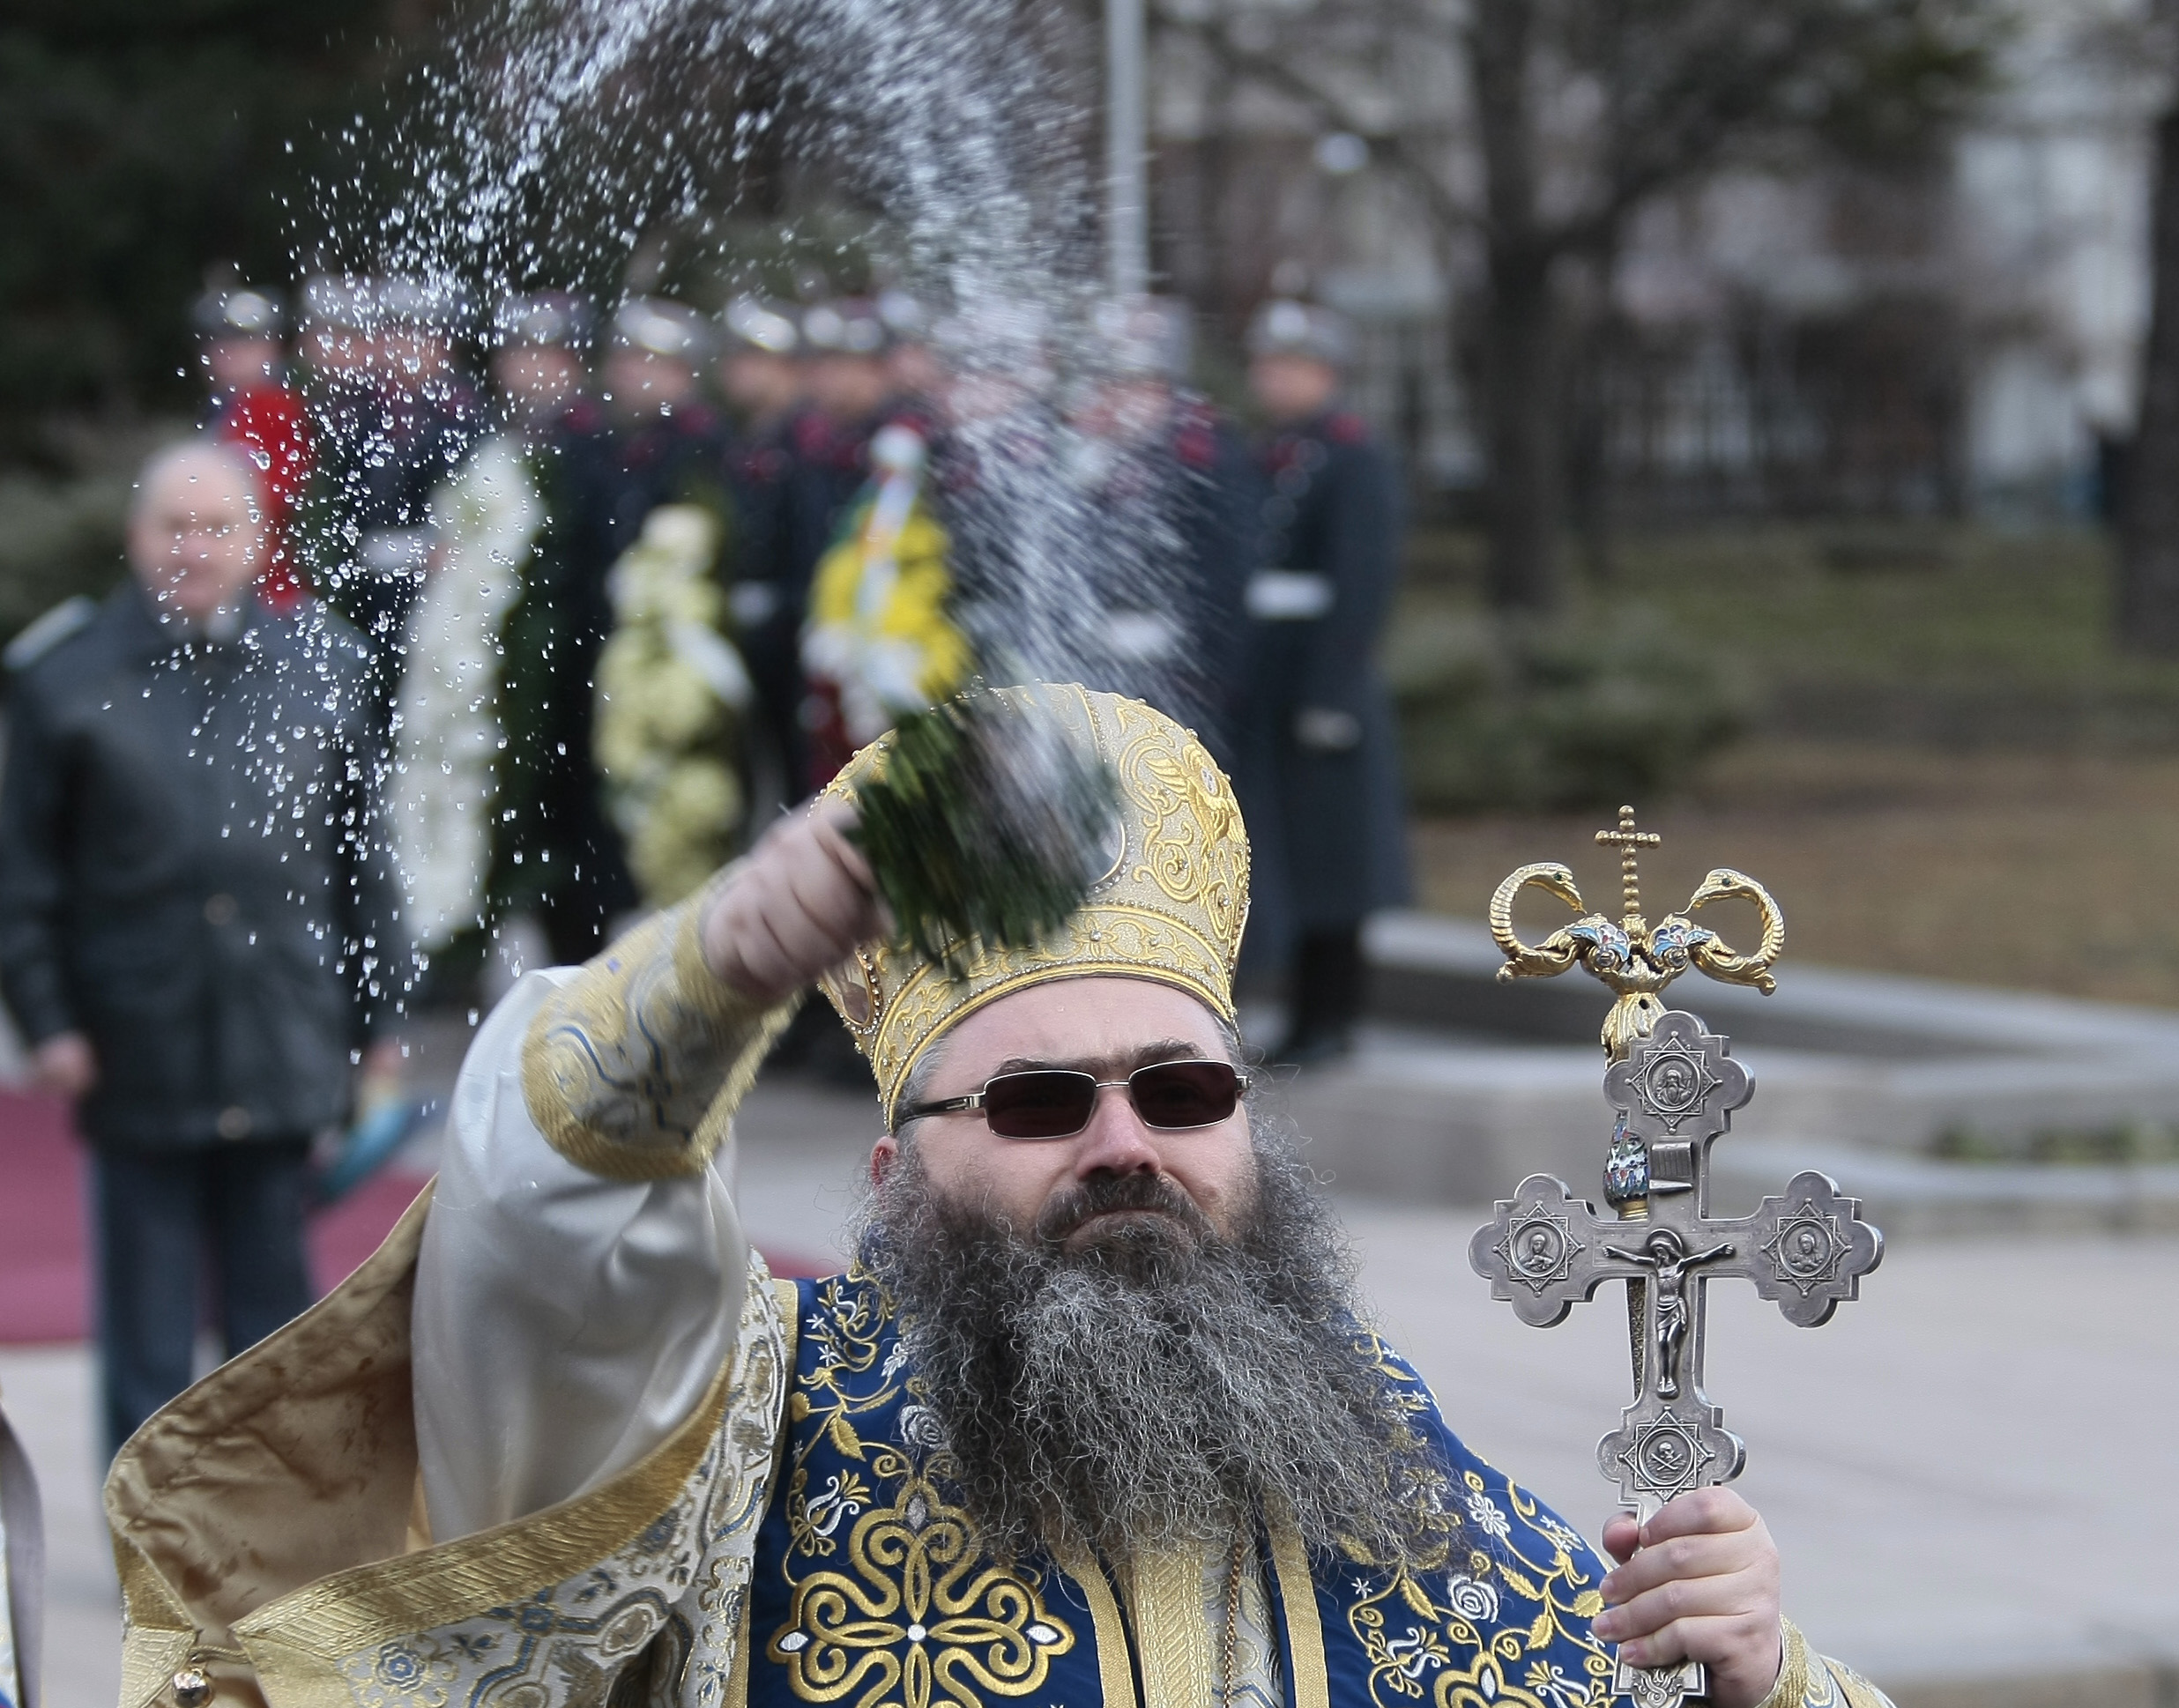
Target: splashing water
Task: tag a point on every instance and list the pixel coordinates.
(583, 144)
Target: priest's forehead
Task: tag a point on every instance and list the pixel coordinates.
(1117, 1064)
(1098, 1022)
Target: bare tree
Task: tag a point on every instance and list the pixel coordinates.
(1575, 114)
(2148, 579)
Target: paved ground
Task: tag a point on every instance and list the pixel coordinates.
(1971, 1472)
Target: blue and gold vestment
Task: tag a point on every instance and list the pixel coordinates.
(869, 1590)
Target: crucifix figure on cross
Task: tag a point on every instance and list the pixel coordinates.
(1674, 1085)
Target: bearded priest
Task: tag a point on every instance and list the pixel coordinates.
(1092, 1421)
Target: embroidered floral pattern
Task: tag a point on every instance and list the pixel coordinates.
(1509, 1623)
(891, 1601)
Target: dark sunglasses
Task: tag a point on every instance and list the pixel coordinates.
(1056, 1103)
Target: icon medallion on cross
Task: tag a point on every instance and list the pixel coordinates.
(1674, 1086)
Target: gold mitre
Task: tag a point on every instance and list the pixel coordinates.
(1169, 906)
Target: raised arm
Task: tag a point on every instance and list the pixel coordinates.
(583, 1269)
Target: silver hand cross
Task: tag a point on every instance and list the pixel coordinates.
(1675, 1086)
(1806, 1248)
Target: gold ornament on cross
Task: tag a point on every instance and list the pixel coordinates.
(1630, 957)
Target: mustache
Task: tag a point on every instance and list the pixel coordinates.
(1102, 1194)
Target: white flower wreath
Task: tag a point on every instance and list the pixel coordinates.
(486, 520)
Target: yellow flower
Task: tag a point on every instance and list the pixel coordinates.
(669, 684)
(879, 627)
(688, 830)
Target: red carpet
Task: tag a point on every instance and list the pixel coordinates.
(44, 1280)
(45, 1283)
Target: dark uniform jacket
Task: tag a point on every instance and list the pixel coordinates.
(385, 451)
(827, 463)
(1324, 808)
(189, 872)
(1176, 537)
(607, 479)
(768, 604)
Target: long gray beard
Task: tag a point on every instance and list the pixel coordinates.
(1162, 1386)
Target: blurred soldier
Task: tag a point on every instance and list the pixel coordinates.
(995, 470)
(1320, 765)
(337, 346)
(659, 433)
(851, 394)
(538, 345)
(762, 376)
(475, 694)
(252, 405)
(994, 362)
(912, 366)
(399, 418)
(1170, 497)
(658, 444)
(760, 369)
(199, 923)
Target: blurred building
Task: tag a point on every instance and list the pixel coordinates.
(1961, 337)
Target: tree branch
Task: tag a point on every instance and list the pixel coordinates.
(1394, 152)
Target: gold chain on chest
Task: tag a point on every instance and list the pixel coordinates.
(1233, 1623)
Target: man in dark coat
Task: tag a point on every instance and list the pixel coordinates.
(199, 931)
(844, 345)
(1320, 769)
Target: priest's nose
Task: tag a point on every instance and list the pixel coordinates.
(1116, 1141)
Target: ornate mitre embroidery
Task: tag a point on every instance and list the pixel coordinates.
(1170, 908)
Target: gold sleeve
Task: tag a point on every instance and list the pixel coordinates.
(1808, 1680)
(633, 1069)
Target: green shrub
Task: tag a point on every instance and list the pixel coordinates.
(1502, 713)
(2123, 1143)
(57, 538)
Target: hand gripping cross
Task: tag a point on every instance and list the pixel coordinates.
(1675, 1086)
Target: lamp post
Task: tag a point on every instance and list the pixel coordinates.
(1126, 198)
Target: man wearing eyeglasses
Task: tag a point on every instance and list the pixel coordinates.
(1092, 1420)
(196, 915)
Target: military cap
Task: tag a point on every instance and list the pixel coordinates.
(1144, 336)
(237, 311)
(1006, 328)
(1284, 327)
(903, 316)
(438, 305)
(849, 327)
(759, 324)
(557, 318)
(342, 299)
(652, 323)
